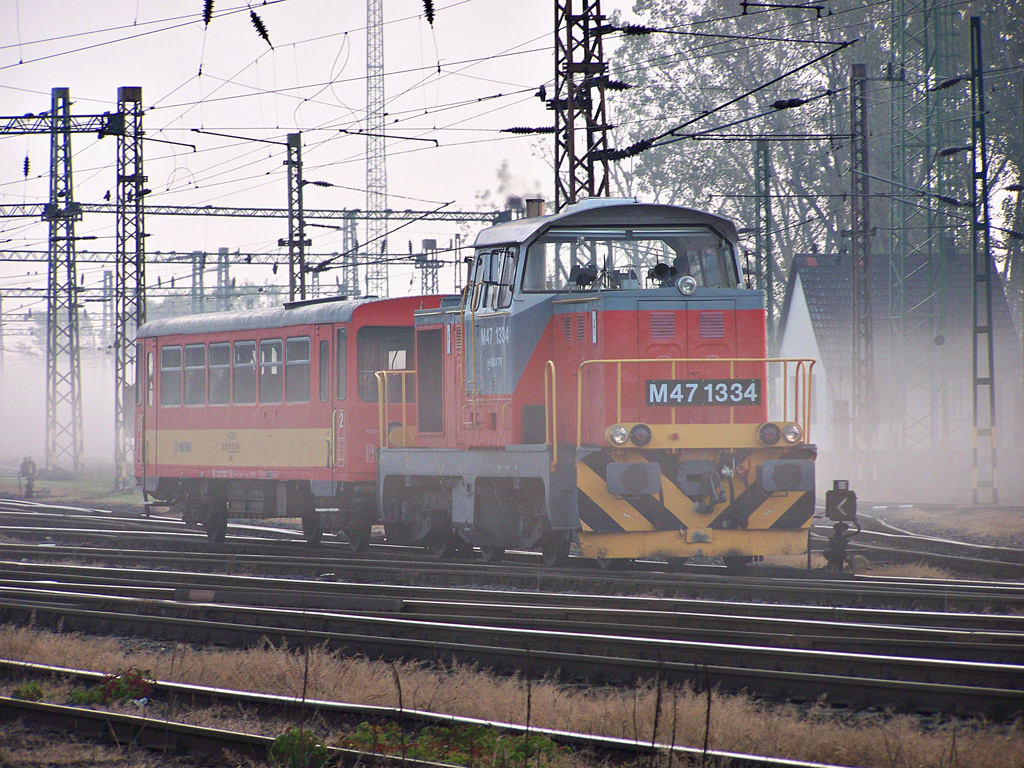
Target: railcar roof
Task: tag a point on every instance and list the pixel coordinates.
(339, 311)
(604, 212)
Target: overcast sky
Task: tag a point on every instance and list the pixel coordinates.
(459, 82)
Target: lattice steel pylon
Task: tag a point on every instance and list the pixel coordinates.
(764, 226)
(581, 164)
(862, 377)
(983, 352)
(129, 275)
(376, 158)
(64, 437)
(925, 181)
(296, 241)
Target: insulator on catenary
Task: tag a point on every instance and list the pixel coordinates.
(788, 103)
(522, 130)
(207, 12)
(26, 166)
(260, 27)
(636, 29)
(428, 10)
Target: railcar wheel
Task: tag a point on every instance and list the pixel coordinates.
(555, 550)
(312, 527)
(677, 563)
(492, 554)
(359, 536)
(217, 522)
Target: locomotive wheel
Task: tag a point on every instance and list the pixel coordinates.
(492, 554)
(555, 550)
(737, 563)
(677, 563)
(613, 563)
(312, 528)
(359, 536)
(443, 546)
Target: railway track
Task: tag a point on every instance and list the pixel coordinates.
(964, 663)
(163, 734)
(285, 553)
(914, 644)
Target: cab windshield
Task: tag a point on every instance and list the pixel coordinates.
(613, 258)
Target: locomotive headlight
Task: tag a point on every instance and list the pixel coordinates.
(686, 285)
(618, 435)
(769, 434)
(792, 433)
(640, 434)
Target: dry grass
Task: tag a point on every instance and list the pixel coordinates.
(999, 526)
(737, 722)
(908, 570)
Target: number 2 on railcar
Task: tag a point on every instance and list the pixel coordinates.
(603, 381)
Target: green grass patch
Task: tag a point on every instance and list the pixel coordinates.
(469, 745)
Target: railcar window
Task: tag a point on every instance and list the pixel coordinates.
(296, 378)
(341, 367)
(170, 376)
(384, 348)
(149, 379)
(271, 371)
(195, 374)
(140, 376)
(324, 371)
(220, 373)
(244, 383)
(619, 258)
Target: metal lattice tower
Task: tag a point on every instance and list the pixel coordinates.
(223, 279)
(984, 372)
(862, 371)
(64, 439)
(924, 182)
(129, 273)
(765, 266)
(581, 130)
(376, 161)
(296, 241)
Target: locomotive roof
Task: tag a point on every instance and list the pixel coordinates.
(331, 311)
(604, 212)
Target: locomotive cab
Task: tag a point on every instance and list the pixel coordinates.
(610, 389)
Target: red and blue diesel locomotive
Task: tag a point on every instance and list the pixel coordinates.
(602, 381)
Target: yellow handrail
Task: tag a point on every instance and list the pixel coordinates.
(384, 405)
(551, 412)
(803, 369)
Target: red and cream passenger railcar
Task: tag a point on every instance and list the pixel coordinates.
(270, 412)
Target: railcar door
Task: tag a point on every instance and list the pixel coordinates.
(145, 408)
(339, 396)
(322, 402)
